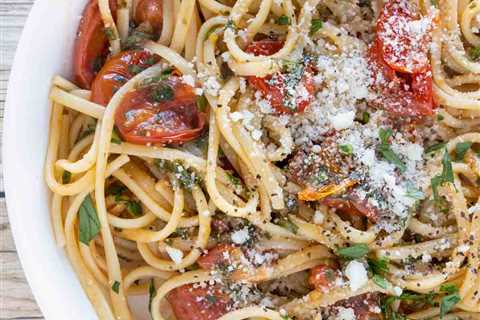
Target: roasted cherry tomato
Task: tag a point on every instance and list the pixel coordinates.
(160, 112)
(401, 94)
(274, 87)
(217, 256)
(151, 12)
(190, 302)
(404, 37)
(118, 70)
(322, 277)
(351, 205)
(91, 44)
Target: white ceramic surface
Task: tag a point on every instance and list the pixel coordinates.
(44, 50)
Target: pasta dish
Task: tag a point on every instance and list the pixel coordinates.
(271, 159)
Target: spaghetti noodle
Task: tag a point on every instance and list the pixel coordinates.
(271, 159)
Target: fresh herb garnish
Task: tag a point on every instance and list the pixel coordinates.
(286, 223)
(134, 208)
(435, 147)
(283, 20)
(211, 298)
(354, 252)
(440, 117)
(346, 149)
(134, 69)
(66, 176)
(115, 137)
(380, 281)
(378, 266)
(461, 149)
(233, 179)
(444, 177)
(434, 3)
(202, 103)
(386, 151)
(162, 93)
(317, 24)
(89, 225)
(116, 286)
(474, 53)
(414, 193)
(110, 34)
(152, 292)
(450, 300)
(365, 117)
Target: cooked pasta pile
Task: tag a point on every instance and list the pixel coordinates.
(271, 159)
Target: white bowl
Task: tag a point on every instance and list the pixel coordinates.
(44, 50)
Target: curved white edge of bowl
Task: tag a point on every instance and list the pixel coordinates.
(43, 51)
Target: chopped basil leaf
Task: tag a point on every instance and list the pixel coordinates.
(234, 180)
(162, 92)
(116, 286)
(384, 135)
(152, 292)
(449, 288)
(354, 252)
(461, 148)
(448, 302)
(474, 53)
(115, 189)
(445, 176)
(286, 223)
(386, 151)
(89, 225)
(110, 34)
(211, 298)
(201, 103)
(134, 208)
(66, 176)
(346, 149)
(378, 266)
(283, 20)
(134, 69)
(434, 3)
(317, 24)
(365, 117)
(435, 147)
(115, 137)
(380, 281)
(440, 117)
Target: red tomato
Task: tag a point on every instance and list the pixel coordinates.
(363, 306)
(91, 44)
(150, 11)
(322, 277)
(160, 113)
(190, 302)
(218, 255)
(401, 94)
(352, 205)
(118, 70)
(404, 38)
(273, 87)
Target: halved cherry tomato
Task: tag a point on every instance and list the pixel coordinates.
(273, 87)
(401, 94)
(118, 70)
(161, 112)
(91, 44)
(151, 12)
(322, 277)
(404, 37)
(191, 302)
(353, 206)
(216, 256)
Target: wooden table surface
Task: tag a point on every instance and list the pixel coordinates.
(16, 301)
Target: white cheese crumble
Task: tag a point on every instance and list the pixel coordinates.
(240, 236)
(188, 80)
(174, 254)
(318, 217)
(357, 274)
(345, 314)
(343, 120)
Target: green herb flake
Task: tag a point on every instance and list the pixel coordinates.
(211, 298)
(116, 137)
(449, 288)
(474, 53)
(380, 281)
(66, 176)
(162, 93)
(116, 286)
(354, 252)
(440, 117)
(448, 302)
(386, 151)
(435, 147)
(152, 292)
(286, 223)
(378, 266)
(365, 117)
(346, 149)
(414, 193)
(283, 20)
(444, 177)
(110, 34)
(202, 103)
(316, 25)
(434, 3)
(89, 225)
(134, 69)
(461, 149)
(134, 208)
(233, 179)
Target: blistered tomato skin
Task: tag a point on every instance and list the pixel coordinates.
(118, 70)
(273, 87)
(151, 12)
(91, 44)
(322, 277)
(216, 256)
(160, 113)
(196, 302)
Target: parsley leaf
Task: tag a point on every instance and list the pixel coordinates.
(116, 286)
(435, 147)
(152, 292)
(115, 137)
(346, 149)
(380, 281)
(286, 223)
(461, 148)
(110, 34)
(414, 193)
(474, 53)
(445, 176)
(353, 252)
(202, 103)
(448, 288)
(66, 176)
(386, 151)
(378, 266)
(448, 302)
(89, 225)
(283, 20)
(317, 24)
(134, 208)
(162, 92)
